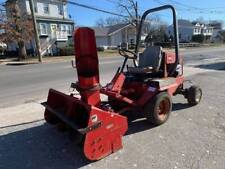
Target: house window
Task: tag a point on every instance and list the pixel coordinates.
(35, 7)
(46, 8)
(196, 30)
(69, 30)
(60, 9)
(43, 28)
(132, 41)
(63, 28)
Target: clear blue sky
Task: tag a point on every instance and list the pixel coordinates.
(88, 17)
(187, 9)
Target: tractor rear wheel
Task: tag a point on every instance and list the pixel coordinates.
(194, 95)
(158, 109)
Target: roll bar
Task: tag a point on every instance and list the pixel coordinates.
(175, 29)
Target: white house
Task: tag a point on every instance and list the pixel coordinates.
(55, 27)
(188, 29)
(113, 36)
(217, 29)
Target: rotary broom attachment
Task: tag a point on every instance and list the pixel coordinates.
(99, 129)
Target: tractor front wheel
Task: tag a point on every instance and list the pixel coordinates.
(158, 109)
(194, 95)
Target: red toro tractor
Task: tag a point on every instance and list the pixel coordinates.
(146, 87)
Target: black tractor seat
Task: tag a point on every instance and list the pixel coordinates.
(149, 62)
(138, 70)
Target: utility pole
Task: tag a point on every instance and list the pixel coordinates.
(136, 17)
(37, 41)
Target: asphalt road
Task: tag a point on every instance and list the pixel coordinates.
(193, 137)
(29, 83)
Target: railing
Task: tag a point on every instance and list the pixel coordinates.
(181, 45)
(46, 45)
(61, 35)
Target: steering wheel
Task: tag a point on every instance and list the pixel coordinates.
(128, 54)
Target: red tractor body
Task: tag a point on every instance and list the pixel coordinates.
(99, 125)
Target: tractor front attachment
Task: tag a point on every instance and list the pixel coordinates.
(101, 129)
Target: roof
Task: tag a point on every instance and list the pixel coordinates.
(109, 30)
(101, 31)
(186, 23)
(117, 27)
(44, 18)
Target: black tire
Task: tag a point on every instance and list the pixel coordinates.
(51, 118)
(194, 95)
(158, 110)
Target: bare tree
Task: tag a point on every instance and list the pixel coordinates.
(127, 7)
(109, 21)
(100, 22)
(18, 28)
(130, 7)
(154, 27)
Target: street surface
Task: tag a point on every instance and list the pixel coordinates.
(193, 137)
(29, 83)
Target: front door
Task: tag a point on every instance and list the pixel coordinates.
(53, 30)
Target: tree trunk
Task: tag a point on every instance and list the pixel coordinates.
(22, 50)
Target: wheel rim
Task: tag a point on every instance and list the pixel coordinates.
(198, 96)
(163, 109)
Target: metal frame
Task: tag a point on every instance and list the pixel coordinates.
(175, 28)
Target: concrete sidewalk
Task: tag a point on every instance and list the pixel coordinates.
(21, 114)
(193, 137)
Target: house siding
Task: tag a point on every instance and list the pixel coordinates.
(50, 40)
(116, 39)
(53, 9)
(185, 33)
(102, 41)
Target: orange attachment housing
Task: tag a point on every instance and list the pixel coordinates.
(101, 130)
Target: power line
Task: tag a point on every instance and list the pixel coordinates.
(141, 10)
(184, 5)
(221, 7)
(187, 8)
(196, 9)
(97, 9)
(193, 9)
(113, 2)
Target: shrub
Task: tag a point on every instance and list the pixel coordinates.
(198, 38)
(66, 51)
(113, 47)
(100, 49)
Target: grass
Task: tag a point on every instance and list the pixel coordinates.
(47, 59)
(106, 53)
